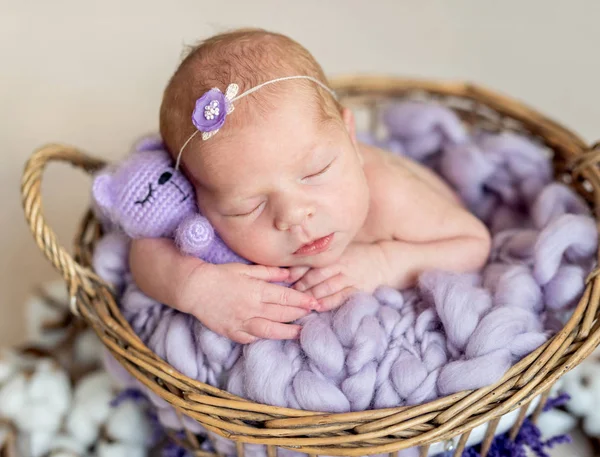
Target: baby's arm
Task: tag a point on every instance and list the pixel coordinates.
(427, 231)
(430, 232)
(233, 299)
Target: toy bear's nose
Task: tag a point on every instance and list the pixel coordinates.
(164, 177)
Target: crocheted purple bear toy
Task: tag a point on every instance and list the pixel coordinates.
(145, 197)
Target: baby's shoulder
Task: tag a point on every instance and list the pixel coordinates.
(388, 181)
(391, 174)
(399, 186)
(385, 171)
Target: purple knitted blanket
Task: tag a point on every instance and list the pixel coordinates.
(450, 333)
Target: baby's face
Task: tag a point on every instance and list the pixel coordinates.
(283, 189)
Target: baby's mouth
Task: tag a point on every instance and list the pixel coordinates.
(315, 247)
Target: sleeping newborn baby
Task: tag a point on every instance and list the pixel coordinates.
(279, 173)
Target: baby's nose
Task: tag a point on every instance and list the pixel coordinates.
(293, 218)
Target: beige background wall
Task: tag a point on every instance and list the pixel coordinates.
(91, 74)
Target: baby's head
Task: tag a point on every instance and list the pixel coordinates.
(285, 169)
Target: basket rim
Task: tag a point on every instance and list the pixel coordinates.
(531, 376)
(348, 84)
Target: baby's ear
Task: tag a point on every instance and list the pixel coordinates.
(102, 192)
(350, 123)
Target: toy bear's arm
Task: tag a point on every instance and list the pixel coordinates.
(194, 236)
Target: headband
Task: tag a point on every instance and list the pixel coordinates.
(213, 107)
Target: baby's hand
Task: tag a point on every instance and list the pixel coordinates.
(239, 302)
(361, 267)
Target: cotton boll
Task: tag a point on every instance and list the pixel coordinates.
(591, 425)
(7, 368)
(36, 443)
(66, 445)
(577, 383)
(38, 416)
(38, 311)
(81, 426)
(99, 380)
(106, 449)
(128, 423)
(583, 385)
(50, 386)
(66, 453)
(4, 432)
(581, 402)
(47, 396)
(13, 395)
(97, 406)
(87, 348)
(94, 394)
(556, 422)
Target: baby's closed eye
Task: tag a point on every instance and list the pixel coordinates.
(320, 172)
(244, 212)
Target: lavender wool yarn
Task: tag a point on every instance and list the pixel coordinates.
(402, 348)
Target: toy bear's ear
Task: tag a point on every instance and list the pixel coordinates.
(149, 143)
(102, 192)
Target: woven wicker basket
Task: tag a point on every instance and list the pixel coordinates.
(449, 419)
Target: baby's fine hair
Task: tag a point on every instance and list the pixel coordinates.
(247, 57)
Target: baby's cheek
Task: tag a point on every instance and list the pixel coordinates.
(349, 204)
(201, 201)
(247, 241)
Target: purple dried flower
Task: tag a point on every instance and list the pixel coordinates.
(529, 436)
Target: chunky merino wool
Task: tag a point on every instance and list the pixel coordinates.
(449, 333)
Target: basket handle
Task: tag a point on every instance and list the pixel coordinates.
(75, 275)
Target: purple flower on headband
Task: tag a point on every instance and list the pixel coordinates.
(211, 110)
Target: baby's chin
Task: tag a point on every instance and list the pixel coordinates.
(321, 260)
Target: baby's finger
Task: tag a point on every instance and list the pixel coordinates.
(330, 286)
(266, 273)
(337, 299)
(272, 293)
(315, 276)
(296, 273)
(242, 337)
(280, 313)
(267, 329)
